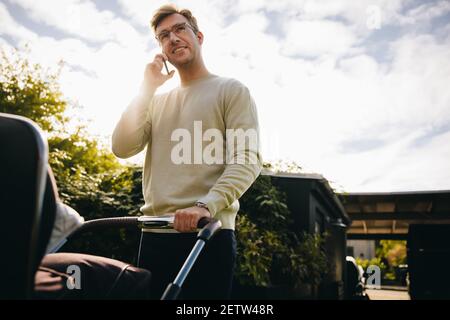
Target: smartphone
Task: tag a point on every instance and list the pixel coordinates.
(165, 65)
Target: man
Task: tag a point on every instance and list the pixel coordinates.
(188, 133)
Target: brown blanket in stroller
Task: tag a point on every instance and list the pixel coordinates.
(82, 276)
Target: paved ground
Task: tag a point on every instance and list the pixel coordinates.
(384, 294)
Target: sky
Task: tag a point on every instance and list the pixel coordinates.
(357, 91)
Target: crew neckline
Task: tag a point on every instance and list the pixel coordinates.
(194, 82)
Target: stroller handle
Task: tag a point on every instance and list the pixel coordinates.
(166, 222)
(208, 226)
(94, 224)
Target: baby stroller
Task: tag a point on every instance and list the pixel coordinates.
(28, 206)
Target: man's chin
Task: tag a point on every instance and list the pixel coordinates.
(179, 63)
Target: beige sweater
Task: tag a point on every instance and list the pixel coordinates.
(183, 163)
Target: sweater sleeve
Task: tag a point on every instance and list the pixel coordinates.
(133, 131)
(244, 161)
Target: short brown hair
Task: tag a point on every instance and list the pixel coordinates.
(169, 9)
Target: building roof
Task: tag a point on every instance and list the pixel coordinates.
(324, 185)
(314, 176)
(389, 214)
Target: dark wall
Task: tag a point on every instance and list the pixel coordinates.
(428, 255)
(336, 247)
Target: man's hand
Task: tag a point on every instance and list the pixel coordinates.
(186, 219)
(153, 76)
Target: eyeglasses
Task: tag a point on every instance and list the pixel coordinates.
(178, 29)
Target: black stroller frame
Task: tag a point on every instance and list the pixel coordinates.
(208, 227)
(28, 204)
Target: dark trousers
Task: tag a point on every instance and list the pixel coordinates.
(211, 276)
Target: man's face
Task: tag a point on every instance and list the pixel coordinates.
(180, 47)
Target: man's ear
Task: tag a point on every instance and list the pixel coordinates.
(200, 37)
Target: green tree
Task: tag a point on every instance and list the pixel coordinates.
(389, 255)
(392, 251)
(28, 90)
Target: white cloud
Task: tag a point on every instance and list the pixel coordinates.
(397, 167)
(312, 38)
(140, 11)
(9, 27)
(363, 100)
(425, 12)
(354, 13)
(80, 18)
(359, 66)
(416, 84)
(207, 12)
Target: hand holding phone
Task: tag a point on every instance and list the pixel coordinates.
(153, 75)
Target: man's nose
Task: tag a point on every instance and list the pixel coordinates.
(173, 37)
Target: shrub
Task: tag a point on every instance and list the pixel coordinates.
(269, 252)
